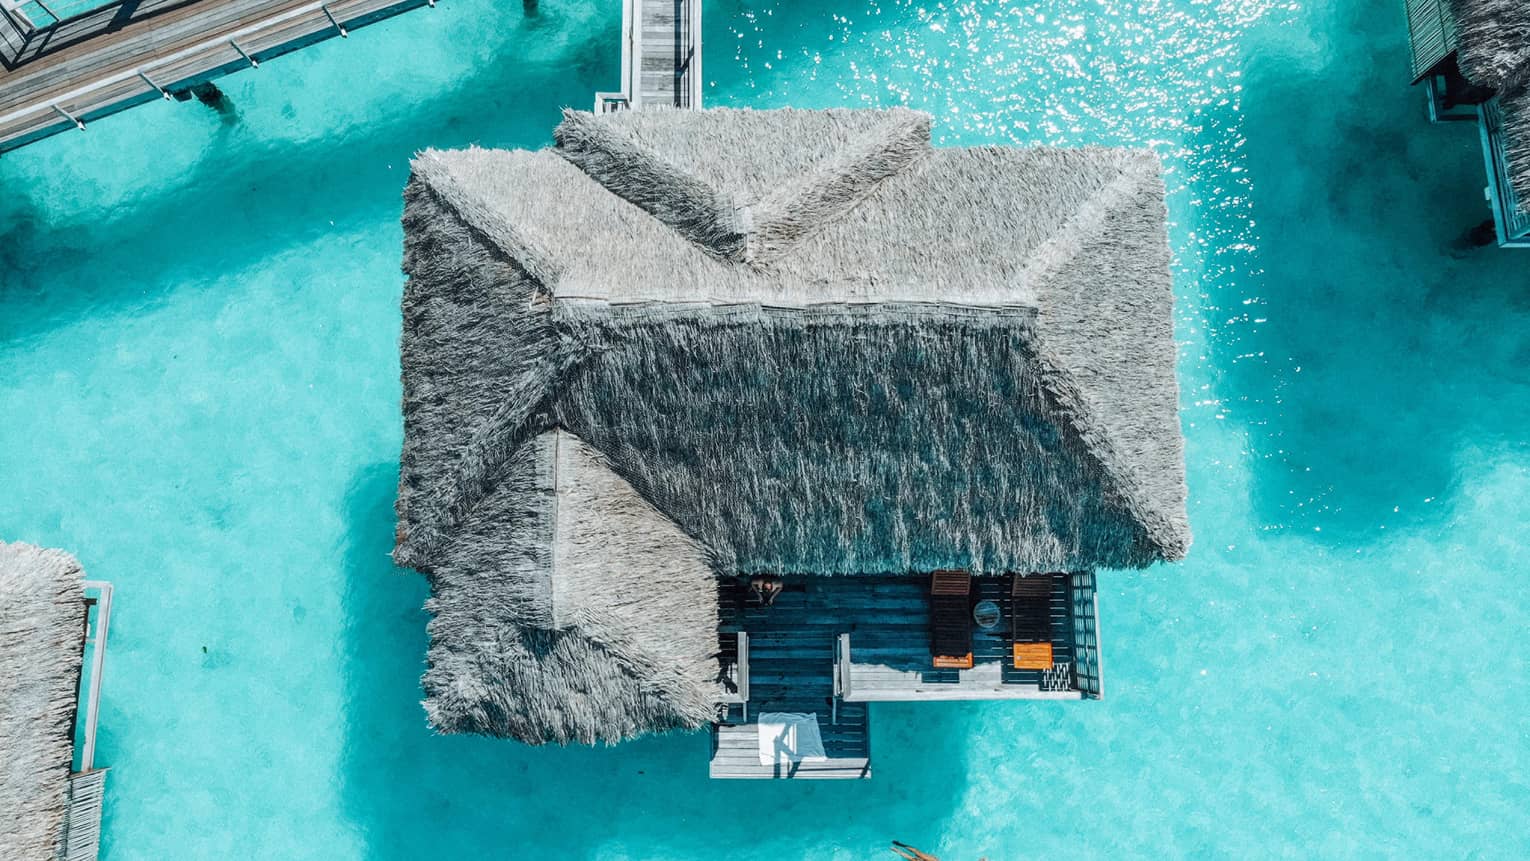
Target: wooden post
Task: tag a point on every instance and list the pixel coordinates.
(150, 81)
(247, 57)
(331, 16)
(70, 117)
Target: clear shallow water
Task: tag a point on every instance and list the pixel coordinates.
(198, 385)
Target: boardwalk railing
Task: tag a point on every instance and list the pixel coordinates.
(688, 74)
(739, 676)
(211, 38)
(24, 37)
(1088, 667)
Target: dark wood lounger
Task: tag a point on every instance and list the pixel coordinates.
(1031, 615)
(951, 619)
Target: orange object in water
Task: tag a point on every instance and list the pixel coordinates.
(1033, 656)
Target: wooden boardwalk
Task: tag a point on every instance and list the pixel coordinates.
(661, 56)
(63, 76)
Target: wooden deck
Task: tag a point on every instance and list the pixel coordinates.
(846, 741)
(796, 660)
(790, 670)
(892, 661)
(661, 56)
(66, 75)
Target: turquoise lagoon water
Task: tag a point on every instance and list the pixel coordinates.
(199, 387)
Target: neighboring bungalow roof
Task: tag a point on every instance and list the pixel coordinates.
(1492, 38)
(42, 618)
(1494, 51)
(808, 339)
(1514, 104)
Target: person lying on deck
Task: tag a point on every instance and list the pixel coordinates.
(766, 587)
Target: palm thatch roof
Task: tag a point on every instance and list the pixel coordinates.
(1514, 104)
(1492, 38)
(807, 341)
(1493, 44)
(42, 618)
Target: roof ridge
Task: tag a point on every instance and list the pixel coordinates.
(475, 212)
(710, 218)
(1051, 257)
(1067, 241)
(837, 184)
(724, 223)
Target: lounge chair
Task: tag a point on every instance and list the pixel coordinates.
(951, 619)
(1031, 612)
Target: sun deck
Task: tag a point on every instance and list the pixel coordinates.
(831, 645)
(60, 75)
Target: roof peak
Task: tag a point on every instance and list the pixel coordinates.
(734, 224)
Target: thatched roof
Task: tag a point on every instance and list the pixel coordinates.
(807, 339)
(1492, 38)
(570, 609)
(1514, 106)
(1493, 41)
(42, 618)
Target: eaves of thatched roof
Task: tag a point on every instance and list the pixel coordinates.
(807, 340)
(42, 617)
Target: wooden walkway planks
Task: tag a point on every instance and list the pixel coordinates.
(736, 752)
(177, 46)
(661, 56)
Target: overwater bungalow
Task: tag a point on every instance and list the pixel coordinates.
(1473, 58)
(53, 626)
(750, 419)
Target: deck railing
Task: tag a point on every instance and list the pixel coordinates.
(1509, 212)
(1089, 671)
(740, 693)
(24, 36)
(87, 784)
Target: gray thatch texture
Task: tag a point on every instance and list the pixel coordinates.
(1493, 41)
(1514, 103)
(807, 338)
(1492, 38)
(568, 609)
(42, 618)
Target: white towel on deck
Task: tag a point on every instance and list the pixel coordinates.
(786, 738)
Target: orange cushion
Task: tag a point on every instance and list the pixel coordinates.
(1033, 656)
(954, 663)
